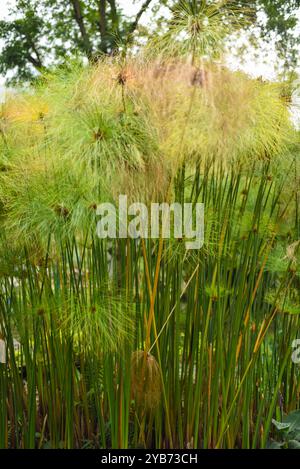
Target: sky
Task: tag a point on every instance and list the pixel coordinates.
(253, 65)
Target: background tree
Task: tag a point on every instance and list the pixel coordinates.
(278, 21)
(43, 33)
(283, 19)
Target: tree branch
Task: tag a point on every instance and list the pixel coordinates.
(36, 63)
(114, 14)
(115, 33)
(102, 24)
(79, 20)
(37, 54)
(135, 23)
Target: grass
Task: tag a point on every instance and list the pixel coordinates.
(221, 347)
(140, 343)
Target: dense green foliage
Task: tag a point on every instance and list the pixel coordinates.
(42, 33)
(288, 432)
(216, 324)
(140, 342)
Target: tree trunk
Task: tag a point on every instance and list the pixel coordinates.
(79, 20)
(115, 19)
(102, 25)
